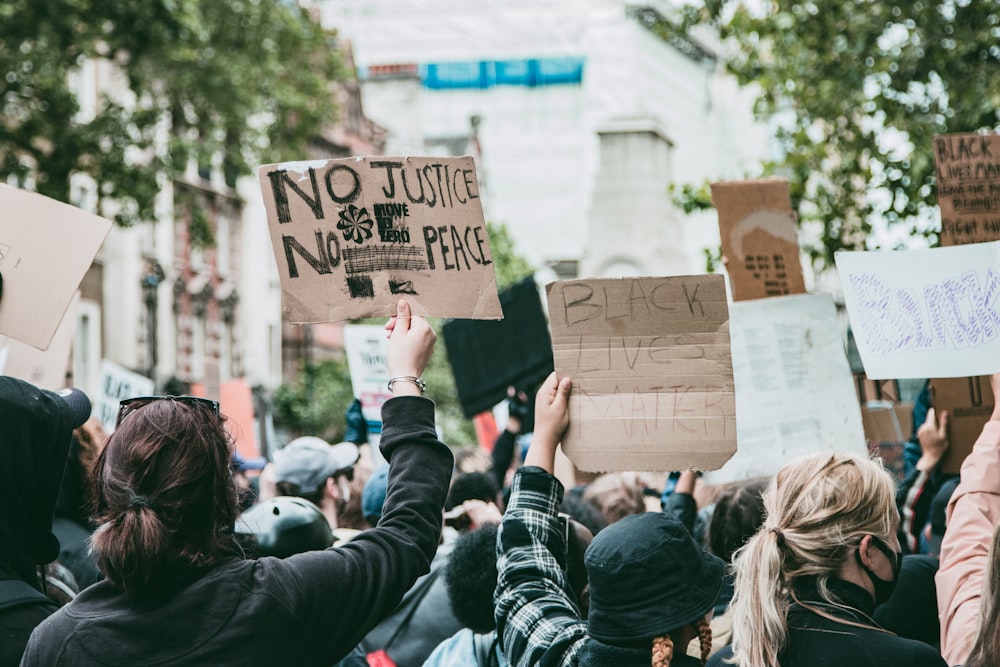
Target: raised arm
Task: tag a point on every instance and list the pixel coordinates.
(538, 619)
(973, 513)
(345, 591)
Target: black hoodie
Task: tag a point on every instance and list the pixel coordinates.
(35, 432)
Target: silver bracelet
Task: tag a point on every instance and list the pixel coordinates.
(421, 385)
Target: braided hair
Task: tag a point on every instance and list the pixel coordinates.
(663, 646)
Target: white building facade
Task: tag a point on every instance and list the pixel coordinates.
(583, 117)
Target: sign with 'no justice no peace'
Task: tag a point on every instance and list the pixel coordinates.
(352, 236)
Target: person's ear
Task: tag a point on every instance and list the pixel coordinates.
(865, 548)
(332, 488)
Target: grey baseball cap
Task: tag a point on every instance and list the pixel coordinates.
(308, 461)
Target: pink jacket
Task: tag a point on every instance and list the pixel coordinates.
(973, 513)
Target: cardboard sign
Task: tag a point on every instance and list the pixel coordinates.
(118, 383)
(759, 238)
(352, 236)
(43, 368)
(46, 247)
(488, 357)
(794, 390)
(236, 404)
(925, 313)
(365, 346)
(968, 186)
(970, 403)
(651, 368)
(887, 422)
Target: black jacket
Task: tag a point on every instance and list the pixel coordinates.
(309, 609)
(815, 640)
(35, 434)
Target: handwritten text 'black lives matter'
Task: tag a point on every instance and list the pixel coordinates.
(648, 355)
(959, 312)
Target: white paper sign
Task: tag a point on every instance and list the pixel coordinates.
(118, 383)
(925, 313)
(794, 391)
(365, 345)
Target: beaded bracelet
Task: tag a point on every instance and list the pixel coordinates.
(421, 385)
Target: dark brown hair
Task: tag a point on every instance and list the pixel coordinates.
(738, 515)
(166, 501)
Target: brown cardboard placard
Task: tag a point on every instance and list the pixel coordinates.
(353, 236)
(759, 238)
(885, 421)
(969, 402)
(46, 247)
(652, 372)
(43, 368)
(967, 169)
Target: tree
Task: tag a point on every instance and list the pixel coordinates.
(316, 403)
(249, 80)
(857, 90)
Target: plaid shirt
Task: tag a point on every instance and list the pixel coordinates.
(537, 617)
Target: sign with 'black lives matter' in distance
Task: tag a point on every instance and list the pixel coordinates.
(352, 236)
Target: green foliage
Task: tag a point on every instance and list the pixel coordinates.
(509, 266)
(690, 198)
(250, 79)
(316, 403)
(857, 90)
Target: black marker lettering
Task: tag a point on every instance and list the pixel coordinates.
(468, 184)
(388, 166)
(430, 236)
(355, 189)
(444, 249)
(406, 189)
(430, 184)
(321, 264)
(454, 180)
(278, 180)
(457, 243)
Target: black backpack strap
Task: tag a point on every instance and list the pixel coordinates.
(14, 593)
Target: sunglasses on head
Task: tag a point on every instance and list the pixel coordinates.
(129, 405)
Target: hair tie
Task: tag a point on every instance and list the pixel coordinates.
(779, 536)
(136, 501)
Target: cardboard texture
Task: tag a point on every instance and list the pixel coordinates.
(352, 236)
(46, 247)
(887, 422)
(365, 346)
(488, 357)
(968, 185)
(49, 368)
(794, 390)
(970, 402)
(117, 383)
(924, 313)
(759, 238)
(652, 372)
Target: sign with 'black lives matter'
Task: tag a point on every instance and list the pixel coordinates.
(353, 236)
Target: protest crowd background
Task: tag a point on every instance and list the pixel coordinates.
(580, 342)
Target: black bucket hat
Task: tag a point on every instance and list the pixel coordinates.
(648, 577)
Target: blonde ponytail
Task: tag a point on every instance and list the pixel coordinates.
(816, 509)
(760, 603)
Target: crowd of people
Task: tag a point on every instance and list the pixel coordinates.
(161, 545)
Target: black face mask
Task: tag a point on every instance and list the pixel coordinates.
(883, 588)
